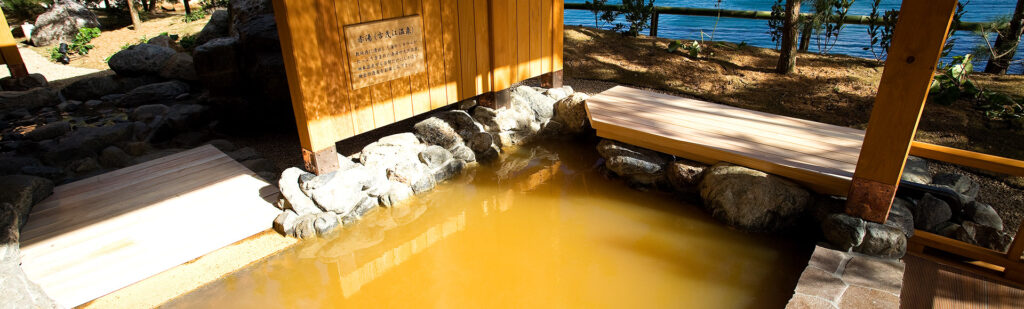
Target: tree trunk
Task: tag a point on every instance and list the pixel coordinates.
(1006, 43)
(152, 5)
(805, 36)
(145, 5)
(188, 10)
(136, 23)
(106, 4)
(787, 57)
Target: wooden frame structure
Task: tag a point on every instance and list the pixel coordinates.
(9, 53)
(473, 49)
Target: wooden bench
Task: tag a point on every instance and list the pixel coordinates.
(819, 156)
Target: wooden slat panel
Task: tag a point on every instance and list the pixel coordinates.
(452, 55)
(482, 29)
(557, 34)
(401, 95)
(167, 221)
(383, 109)
(502, 36)
(545, 35)
(418, 85)
(523, 39)
(435, 53)
(360, 100)
(536, 46)
(301, 61)
(467, 50)
(334, 116)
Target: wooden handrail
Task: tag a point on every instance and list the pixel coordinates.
(968, 158)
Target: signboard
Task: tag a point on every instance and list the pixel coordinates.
(384, 50)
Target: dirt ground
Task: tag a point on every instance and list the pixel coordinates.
(110, 41)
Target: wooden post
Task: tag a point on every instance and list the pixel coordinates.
(915, 51)
(654, 24)
(551, 80)
(496, 99)
(9, 50)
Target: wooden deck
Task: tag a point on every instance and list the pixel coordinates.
(100, 234)
(928, 284)
(820, 156)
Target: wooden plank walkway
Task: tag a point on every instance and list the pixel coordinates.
(820, 156)
(927, 284)
(100, 234)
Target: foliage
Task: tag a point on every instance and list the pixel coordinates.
(597, 7)
(188, 42)
(950, 41)
(1000, 27)
(693, 49)
(79, 45)
(210, 5)
(954, 84)
(194, 16)
(832, 14)
(718, 5)
(25, 9)
(638, 14)
(776, 22)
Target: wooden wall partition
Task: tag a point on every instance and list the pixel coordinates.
(471, 47)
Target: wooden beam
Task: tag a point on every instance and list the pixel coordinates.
(9, 53)
(915, 51)
(968, 158)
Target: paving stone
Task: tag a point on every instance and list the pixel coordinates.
(817, 282)
(827, 259)
(881, 274)
(867, 298)
(800, 301)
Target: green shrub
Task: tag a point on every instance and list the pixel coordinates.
(194, 16)
(25, 10)
(954, 84)
(188, 42)
(638, 14)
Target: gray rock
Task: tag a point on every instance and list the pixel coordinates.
(448, 170)
(339, 195)
(289, 186)
(92, 87)
(28, 82)
(408, 173)
(480, 142)
(160, 40)
(149, 112)
(462, 152)
(245, 10)
(572, 112)
(542, 106)
(187, 117)
(22, 192)
(61, 23)
(843, 231)
(929, 212)
(901, 217)
(434, 156)
(447, 129)
(258, 33)
(326, 223)
(377, 183)
(389, 152)
(159, 93)
(11, 165)
(684, 175)
(364, 207)
(114, 157)
(916, 170)
(883, 241)
(638, 165)
(180, 66)
(83, 165)
(396, 193)
(400, 139)
(486, 116)
(305, 227)
(16, 290)
(29, 100)
(985, 236)
(48, 172)
(947, 229)
(959, 183)
(87, 141)
(983, 214)
(285, 222)
(216, 28)
(751, 199)
(556, 93)
(48, 131)
(140, 59)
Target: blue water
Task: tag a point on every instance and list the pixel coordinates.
(755, 32)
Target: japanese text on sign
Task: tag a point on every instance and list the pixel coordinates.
(384, 50)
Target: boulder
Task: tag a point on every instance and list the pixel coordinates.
(929, 212)
(750, 199)
(180, 66)
(289, 186)
(959, 183)
(883, 241)
(242, 11)
(11, 165)
(983, 214)
(396, 193)
(28, 82)
(161, 40)
(391, 151)
(684, 175)
(339, 195)
(114, 157)
(92, 87)
(916, 170)
(572, 112)
(447, 171)
(185, 117)
(901, 217)
(637, 165)
(87, 141)
(259, 33)
(61, 22)
(326, 223)
(217, 27)
(49, 130)
(159, 93)
(462, 152)
(216, 64)
(985, 236)
(149, 112)
(22, 192)
(140, 59)
(285, 222)
(305, 227)
(434, 156)
(447, 129)
(843, 231)
(556, 93)
(541, 105)
(30, 99)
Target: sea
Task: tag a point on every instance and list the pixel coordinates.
(852, 40)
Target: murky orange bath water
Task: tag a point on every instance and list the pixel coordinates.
(544, 228)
